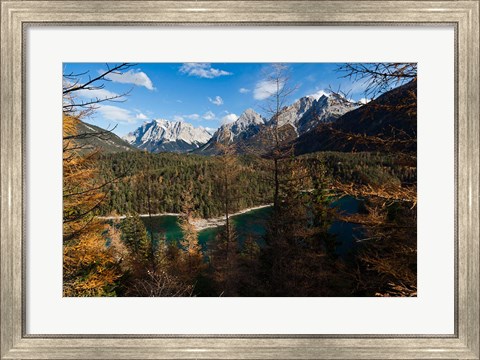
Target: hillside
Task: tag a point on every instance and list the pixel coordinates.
(94, 137)
(388, 123)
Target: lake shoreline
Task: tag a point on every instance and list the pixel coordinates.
(199, 224)
(202, 224)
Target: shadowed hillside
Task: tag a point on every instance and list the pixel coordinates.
(388, 123)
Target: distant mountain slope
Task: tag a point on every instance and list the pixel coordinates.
(252, 133)
(326, 109)
(162, 135)
(94, 137)
(243, 128)
(386, 123)
(248, 124)
(307, 112)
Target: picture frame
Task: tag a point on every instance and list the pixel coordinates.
(17, 15)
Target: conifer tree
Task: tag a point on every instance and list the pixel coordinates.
(89, 267)
(192, 257)
(224, 256)
(249, 268)
(224, 260)
(135, 237)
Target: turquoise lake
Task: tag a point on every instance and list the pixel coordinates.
(253, 223)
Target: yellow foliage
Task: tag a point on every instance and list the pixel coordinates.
(81, 193)
(89, 267)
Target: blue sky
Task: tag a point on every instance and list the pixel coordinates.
(198, 93)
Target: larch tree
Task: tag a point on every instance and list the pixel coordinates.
(82, 83)
(249, 283)
(192, 262)
(277, 80)
(297, 259)
(89, 267)
(387, 256)
(378, 78)
(224, 253)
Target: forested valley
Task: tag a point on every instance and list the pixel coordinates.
(156, 183)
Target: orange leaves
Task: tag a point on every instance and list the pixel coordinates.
(69, 125)
(81, 195)
(89, 268)
(388, 192)
(191, 257)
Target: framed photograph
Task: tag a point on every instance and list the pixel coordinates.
(240, 179)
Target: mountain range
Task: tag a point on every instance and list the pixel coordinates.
(330, 122)
(387, 123)
(167, 136)
(251, 133)
(248, 124)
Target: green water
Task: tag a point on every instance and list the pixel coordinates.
(346, 233)
(253, 223)
(167, 226)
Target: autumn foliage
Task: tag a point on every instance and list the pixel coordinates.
(89, 268)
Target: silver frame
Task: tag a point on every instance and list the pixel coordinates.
(16, 15)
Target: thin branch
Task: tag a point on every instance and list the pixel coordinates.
(123, 66)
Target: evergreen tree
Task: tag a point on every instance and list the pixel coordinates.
(192, 257)
(299, 259)
(249, 268)
(224, 261)
(135, 237)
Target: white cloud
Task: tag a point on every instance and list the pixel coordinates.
(209, 115)
(141, 116)
(95, 94)
(317, 95)
(186, 116)
(136, 77)
(364, 100)
(229, 118)
(202, 70)
(117, 114)
(266, 88)
(216, 101)
(192, 116)
(243, 90)
(210, 130)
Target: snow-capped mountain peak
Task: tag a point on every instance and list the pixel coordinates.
(251, 129)
(247, 124)
(326, 109)
(247, 120)
(307, 112)
(293, 113)
(164, 135)
(248, 117)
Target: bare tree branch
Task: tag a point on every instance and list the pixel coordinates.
(115, 69)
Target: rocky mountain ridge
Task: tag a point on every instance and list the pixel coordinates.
(161, 135)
